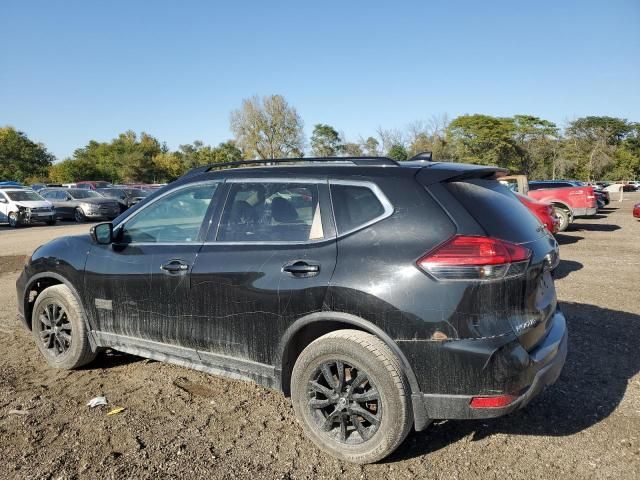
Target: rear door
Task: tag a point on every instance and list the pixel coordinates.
(267, 264)
(64, 204)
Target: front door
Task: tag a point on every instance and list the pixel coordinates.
(268, 264)
(139, 285)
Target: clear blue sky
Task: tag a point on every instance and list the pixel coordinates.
(71, 71)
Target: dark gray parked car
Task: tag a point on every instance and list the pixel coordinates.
(126, 197)
(80, 205)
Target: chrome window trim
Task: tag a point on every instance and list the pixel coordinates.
(169, 192)
(377, 191)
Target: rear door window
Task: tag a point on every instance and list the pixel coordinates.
(355, 206)
(271, 212)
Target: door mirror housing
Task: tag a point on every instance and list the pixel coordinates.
(102, 234)
(3, 200)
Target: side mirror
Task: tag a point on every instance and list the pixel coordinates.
(102, 233)
(3, 200)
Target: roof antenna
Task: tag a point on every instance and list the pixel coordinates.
(422, 157)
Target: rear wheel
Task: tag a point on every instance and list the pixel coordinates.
(14, 222)
(351, 396)
(78, 215)
(564, 217)
(59, 329)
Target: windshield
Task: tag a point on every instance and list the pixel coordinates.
(77, 194)
(112, 193)
(24, 196)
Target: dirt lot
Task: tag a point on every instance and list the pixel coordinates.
(184, 424)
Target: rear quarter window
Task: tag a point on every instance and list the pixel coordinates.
(354, 206)
(497, 210)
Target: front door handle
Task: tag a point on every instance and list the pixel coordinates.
(175, 266)
(301, 269)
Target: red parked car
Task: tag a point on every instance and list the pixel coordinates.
(569, 201)
(544, 211)
(636, 210)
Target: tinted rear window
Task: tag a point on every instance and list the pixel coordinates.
(497, 210)
(354, 206)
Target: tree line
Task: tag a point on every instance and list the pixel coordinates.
(592, 147)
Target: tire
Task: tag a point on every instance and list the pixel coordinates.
(13, 220)
(59, 329)
(564, 217)
(334, 421)
(51, 222)
(78, 215)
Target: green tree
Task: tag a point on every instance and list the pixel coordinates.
(537, 146)
(371, 147)
(325, 141)
(593, 142)
(267, 128)
(397, 152)
(485, 140)
(351, 149)
(22, 159)
(197, 154)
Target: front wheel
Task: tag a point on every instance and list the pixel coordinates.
(351, 397)
(14, 222)
(51, 222)
(59, 329)
(78, 215)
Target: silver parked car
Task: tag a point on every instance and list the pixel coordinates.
(80, 204)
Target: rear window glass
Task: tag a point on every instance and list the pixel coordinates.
(354, 206)
(497, 210)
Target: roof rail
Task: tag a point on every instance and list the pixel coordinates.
(422, 156)
(360, 161)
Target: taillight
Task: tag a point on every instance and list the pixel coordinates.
(476, 258)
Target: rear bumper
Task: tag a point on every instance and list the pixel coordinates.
(545, 364)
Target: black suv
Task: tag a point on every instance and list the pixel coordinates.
(378, 295)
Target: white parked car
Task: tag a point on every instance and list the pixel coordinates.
(21, 206)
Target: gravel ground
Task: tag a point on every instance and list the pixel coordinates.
(180, 423)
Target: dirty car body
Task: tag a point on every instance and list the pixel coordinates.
(367, 245)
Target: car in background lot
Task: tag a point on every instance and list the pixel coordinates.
(39, 186)
(23, 206)
(543, 211)
(379, 295)
(92, 184)
(126, 197)
(80, 204)
(568, 200)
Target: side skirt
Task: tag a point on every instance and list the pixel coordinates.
(230, 367)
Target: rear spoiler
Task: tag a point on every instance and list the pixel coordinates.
(451, 172)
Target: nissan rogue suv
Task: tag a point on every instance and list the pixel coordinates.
(379, 295)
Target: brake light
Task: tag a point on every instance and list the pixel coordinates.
(492, 402)
(475, 258)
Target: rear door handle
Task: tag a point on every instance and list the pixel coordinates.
(175, 266)
(301, 269)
